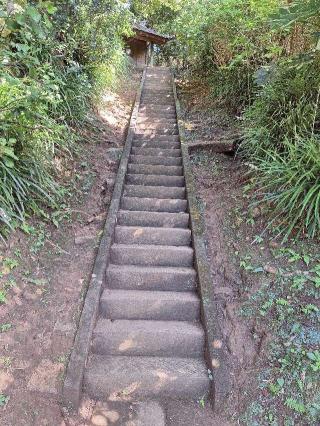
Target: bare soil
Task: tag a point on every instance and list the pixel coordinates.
(45, 274)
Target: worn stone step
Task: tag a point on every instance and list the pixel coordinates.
(154, 133)
(158, 114)
(155, 180)
(150, 278)
(158, 103)
(151, 255)
(155, 170)
(163, 127)
(154, 204)
(179, 339)
(154, 192)
(150, 305)
(157, 152)
(165, 92)
(153, 219)
(154, 143)
(162, 120)
(159, 99)
(152, 160)
(151, 235)
(157, 109)
(164, 87)
(145, 378)
(160, 92)
(163, 138)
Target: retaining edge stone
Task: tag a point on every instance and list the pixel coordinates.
(216, 355)
(72, 387)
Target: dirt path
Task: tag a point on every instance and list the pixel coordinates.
(44, 276)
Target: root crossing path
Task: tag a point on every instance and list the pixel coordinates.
(148, 342)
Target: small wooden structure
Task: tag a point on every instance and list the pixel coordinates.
(141, 46)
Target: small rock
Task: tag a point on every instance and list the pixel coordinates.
(110, 182)
(64, 327)
(99, 420)
(113, 155)
(28, 295)
(274, 244)
(98, 218)
(270, 269)
(84, 239)
(16, 290)
(6, 379)
(224, 290)
(256, 212)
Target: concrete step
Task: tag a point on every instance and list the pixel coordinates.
(160, 115)
(154, 143)
(154, 204)
(164, 127)
(152, 133)
(160, 91)
(150, 305)
(155, 170)
(156, 152)
(157, 98)
(157, 88)
(145, 109)
(151, 255)
(154, 236)
(164, 138)
(161, 84)
(178, 339)
(154, 192)
(145, 378)
(153, 219)
(158, 103)
(155, 180)
(150, 278)
(152, 160)
(163, 120)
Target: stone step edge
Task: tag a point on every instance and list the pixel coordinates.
(72, 386)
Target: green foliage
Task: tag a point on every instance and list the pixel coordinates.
(260, 59)
(226, 42)
(55, 59)
(158, 13)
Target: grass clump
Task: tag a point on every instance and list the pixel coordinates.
(282, 141)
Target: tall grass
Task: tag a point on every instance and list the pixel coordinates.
(290, 183)
(282, 140)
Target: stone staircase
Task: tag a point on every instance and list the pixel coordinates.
(148, 342)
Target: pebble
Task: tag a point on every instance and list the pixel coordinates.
(256, 212)
(270, 269)
(273, 244)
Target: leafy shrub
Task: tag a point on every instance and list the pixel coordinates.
(55, 59)
(285, 108)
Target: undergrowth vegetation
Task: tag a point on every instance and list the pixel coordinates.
(56, 58)
(260, 60)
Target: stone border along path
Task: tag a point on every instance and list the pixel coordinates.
(140, 337)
